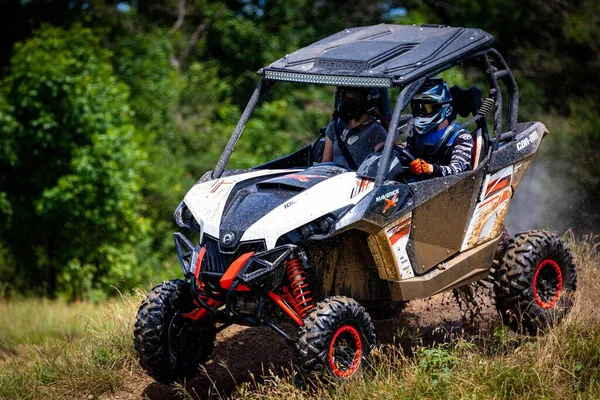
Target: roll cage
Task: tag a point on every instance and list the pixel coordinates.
(430, 62)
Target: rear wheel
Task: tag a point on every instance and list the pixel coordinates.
(534, 281)
(335, 337)
(171, 347)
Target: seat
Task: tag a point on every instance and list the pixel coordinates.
(478, 148)
(467, 102)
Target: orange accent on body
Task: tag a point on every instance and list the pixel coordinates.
(491, 185)
(278, 300)
(399, 235)
(199, 261)
(389, 203)
(497, 200)
(304, 178)
(485, 203)
(497, 185)
(216, 186)
(242, 288)
(234, 269)
(361, 185)
(399, 231)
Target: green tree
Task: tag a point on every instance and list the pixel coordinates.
(142, 62)
(72, 183)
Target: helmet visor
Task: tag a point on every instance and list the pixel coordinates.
(425, 109)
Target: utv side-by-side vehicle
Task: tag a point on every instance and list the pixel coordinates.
(320, 246)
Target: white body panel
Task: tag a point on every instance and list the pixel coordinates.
(326, 196)
(398, 233)
(488, 218)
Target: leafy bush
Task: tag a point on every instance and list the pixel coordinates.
(71, 184)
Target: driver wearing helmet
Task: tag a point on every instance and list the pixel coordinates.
(440, 147)
(354, 132)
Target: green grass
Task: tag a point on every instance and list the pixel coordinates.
(83, 354)
(77, 350)
(34, 321)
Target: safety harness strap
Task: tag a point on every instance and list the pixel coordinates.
(343, 148)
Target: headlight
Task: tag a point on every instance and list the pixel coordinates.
(317, 229)
(185, 219)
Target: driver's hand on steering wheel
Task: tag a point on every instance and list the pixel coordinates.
(419, 166)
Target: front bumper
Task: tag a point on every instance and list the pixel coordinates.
(187, 254)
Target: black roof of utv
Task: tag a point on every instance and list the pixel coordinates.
(379, 55)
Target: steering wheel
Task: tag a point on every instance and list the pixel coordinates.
(407, 175)
(407, 154)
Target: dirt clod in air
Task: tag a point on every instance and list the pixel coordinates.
(474, 302)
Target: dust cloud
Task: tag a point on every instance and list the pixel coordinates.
(549, 199)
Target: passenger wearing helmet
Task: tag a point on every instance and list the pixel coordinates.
(354, 131)
(441, 148)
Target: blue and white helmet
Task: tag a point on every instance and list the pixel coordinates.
(430, 107)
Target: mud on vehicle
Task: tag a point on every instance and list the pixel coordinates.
(295, 240)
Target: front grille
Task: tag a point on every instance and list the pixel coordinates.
(217, 262)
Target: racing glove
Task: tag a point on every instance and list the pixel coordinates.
(419, 166)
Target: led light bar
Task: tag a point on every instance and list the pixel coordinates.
(335, 80)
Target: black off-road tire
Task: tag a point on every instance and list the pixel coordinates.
(336, 336)
(171, 347)
(534, 282)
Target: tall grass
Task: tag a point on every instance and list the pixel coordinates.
(34, 321)
(79, 365)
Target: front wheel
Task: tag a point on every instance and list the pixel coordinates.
(336, 336)
(535, 281)
(171, 347)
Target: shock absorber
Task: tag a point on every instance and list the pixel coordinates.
(298, 286)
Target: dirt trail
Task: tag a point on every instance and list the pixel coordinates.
(243, 354)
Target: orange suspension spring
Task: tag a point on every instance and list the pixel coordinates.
(298, 286)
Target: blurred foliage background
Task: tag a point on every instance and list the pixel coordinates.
(110, 110)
